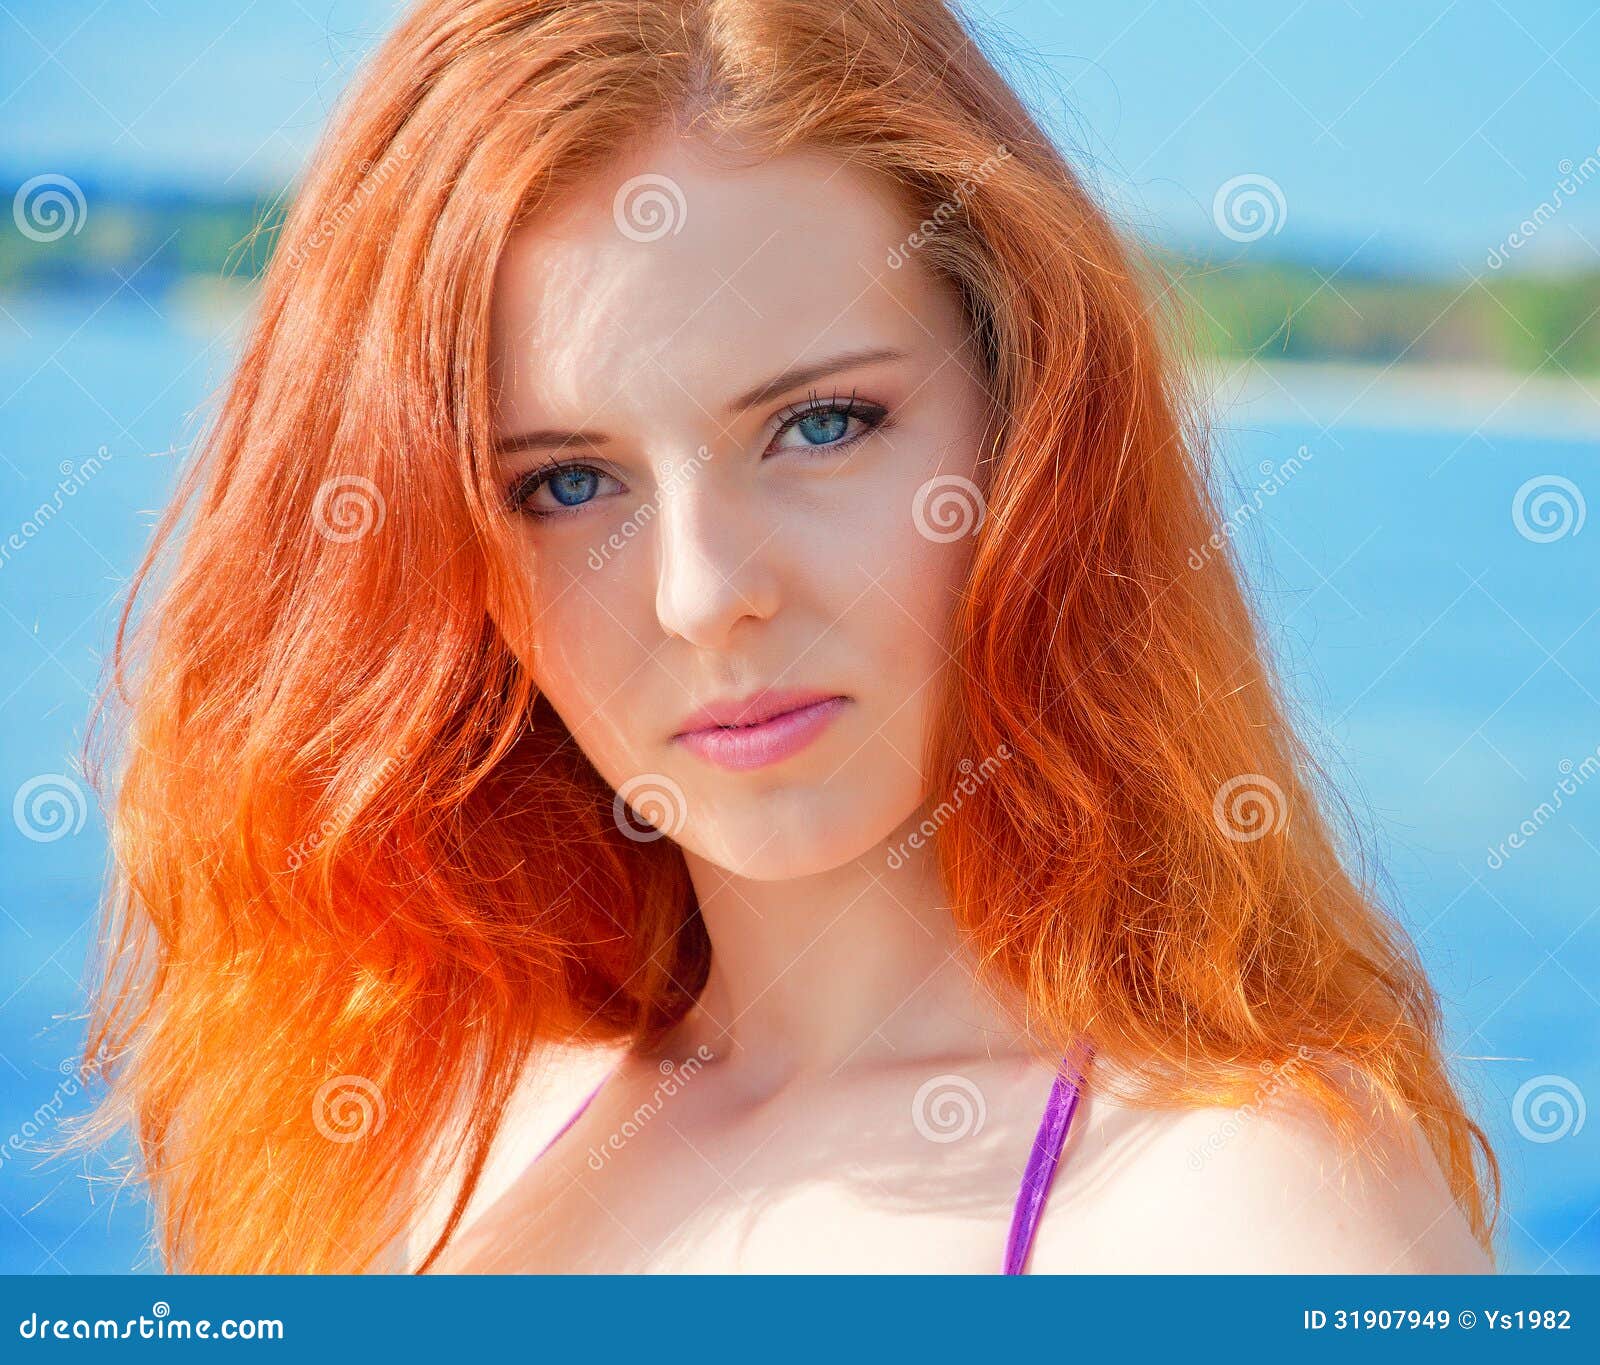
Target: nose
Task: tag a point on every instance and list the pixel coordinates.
(714, 559)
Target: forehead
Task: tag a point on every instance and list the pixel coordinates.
(673, 266)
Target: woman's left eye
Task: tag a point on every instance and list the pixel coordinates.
(826, 425)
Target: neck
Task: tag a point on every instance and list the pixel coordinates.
(843, 969)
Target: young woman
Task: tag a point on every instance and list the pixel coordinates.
(687, 725)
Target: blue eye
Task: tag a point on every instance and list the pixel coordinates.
(825, 425)
(571, 486)
(821, 425)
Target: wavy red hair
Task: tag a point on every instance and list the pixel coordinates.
(358, 860)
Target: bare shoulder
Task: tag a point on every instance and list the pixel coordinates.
(1266, 1188)
(555, 1083)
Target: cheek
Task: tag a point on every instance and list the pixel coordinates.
(918, 596)
(918, 540)
(581, 659)
(885, 563)
(886, 592)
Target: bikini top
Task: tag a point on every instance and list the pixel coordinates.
(1036, 1176)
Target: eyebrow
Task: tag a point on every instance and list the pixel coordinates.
(791, 378)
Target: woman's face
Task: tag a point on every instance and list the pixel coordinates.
(742, 451)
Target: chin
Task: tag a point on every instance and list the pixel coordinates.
(804, 839)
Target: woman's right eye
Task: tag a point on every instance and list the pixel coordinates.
(564, 488)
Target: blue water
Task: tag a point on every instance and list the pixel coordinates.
(1446, 665)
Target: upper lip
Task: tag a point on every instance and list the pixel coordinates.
(753, 709)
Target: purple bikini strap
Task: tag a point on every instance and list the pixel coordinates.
(1036, 1178)
(577, 1114)
(1041, 1168)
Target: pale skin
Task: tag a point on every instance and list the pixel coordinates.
(790, 556)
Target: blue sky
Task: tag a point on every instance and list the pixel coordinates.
(1420, 132)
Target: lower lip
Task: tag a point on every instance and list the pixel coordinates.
(755, 746)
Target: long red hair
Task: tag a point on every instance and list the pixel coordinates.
(361, 873)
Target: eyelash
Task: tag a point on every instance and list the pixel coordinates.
(875, 417)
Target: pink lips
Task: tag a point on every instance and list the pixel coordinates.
(741, 747)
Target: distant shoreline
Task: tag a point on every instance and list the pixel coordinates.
(1415, 396)
(1408, 395)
